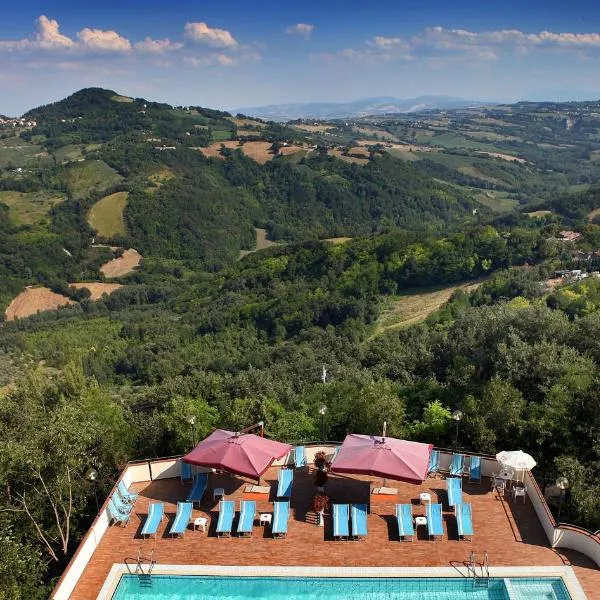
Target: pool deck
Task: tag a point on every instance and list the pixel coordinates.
(510, 533)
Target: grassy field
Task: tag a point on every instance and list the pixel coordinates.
(106, 216)
(453, 141)
(15, 152)
(90, 175)
(29, 208)
(261, 242)
(69, 153)
(540, 213)
(414, 306)
(496, 200)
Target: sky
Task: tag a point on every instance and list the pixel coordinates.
(254, 52)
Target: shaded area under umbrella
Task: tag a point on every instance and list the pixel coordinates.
(244, 454)
(384, 457)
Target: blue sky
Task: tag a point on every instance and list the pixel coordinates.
(244, 52)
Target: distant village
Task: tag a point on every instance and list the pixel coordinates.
(8, 123)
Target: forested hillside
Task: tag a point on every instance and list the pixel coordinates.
(198, 330)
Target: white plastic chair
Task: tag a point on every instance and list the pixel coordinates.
(519, 492)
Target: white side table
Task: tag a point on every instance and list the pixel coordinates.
(200, 523)
(425, 497)
(420, 521)
(218, 493)
(265, 518)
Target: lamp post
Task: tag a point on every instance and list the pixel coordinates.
(92, 475)
(456, 416)
(322, 412)
(562, 483)
(192, 421)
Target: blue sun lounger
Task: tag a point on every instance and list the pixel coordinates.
(197, 491)
(457, 466)
(434, 463)
(299, 457)
(120, 504)
(464, 521)
(284, 485)
(435, 526)
(281, 514)
(186, 471)
(475, 469)
(125, 494)
(406, 527)
(226, 514)
(454, 488)
(340, 521)
(156, 513)
(358, 514)
(116, 515)
(182, 518)
(247, 514)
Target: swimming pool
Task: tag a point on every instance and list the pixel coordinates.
(188, 587)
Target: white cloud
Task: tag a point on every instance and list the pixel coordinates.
(47, 34)
(202, 33)
(156, 46)
(388, 42)
(303, 29)
(103, 41)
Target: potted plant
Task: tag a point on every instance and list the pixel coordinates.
(320, 461)
(320, 503)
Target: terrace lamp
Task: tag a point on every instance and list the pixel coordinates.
(456, 416)
(92, 476)
(562, 483)
(192, 421)
(322, 412)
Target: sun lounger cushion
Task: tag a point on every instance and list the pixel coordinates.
(340, 520)
(198, 489)
(454, 488)
(257, 489)
(435, 527)
(156, 511)
(226, 514)
(404, 517)
(281, 513)
(456, 468)
(475, 468)
(284, 486)
(247, 514)
(115, 514)
(434, 461)
(389, 491)
(125, 494)
(464, 520)
(299, 456)
(182, 518)
(186, 471)
(358, 514)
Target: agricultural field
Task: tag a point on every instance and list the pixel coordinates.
(69, 153)
(261, 242)
(89, 176)
(415, 306)
(258, 151)
(454, 141)
(97, 290)
(33, 300)
(106, 216)
(497, 201)
(15, 152)
(125, 264)
(29, 208)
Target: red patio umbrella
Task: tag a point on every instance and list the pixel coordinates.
(244, 454)
(383, 457)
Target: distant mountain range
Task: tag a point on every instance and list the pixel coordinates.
(357, 108)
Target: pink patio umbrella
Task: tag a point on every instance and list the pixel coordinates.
(383, 457)
(244, 454)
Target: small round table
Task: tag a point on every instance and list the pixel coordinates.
(265, 518)
(200, 523)
(425, 497)
(420, 521)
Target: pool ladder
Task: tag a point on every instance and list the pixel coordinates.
(483, 576)
(141, 561)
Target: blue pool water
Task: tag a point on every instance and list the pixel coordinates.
(188, 587)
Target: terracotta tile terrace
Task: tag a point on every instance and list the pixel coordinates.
(511, 533)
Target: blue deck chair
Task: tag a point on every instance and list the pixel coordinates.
(125, 494)
(182, 518)
(406, 527)
(457, 466)
(284, 485)
(115, 515)
(186, 471)
(121, 505)
(226, 514)
(334, 454)
(340, 521)
(247, 514)
(156, 513)
(464, 521)
(434, 463)
(281, 514)
(454, 488)
(299, 456)
(475, 469)
(435, 526)
(197, 491)
(358, 514)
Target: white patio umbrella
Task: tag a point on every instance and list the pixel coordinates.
(516, 460)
